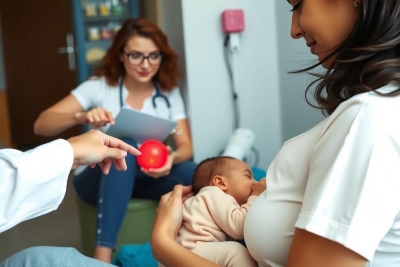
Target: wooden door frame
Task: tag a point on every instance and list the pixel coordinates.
(5, 132)
(151, 9)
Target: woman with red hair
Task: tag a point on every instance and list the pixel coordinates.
(138, 65)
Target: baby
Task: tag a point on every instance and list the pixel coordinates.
(224, 189)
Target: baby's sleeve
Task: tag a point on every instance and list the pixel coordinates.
(352, 194)
(226, 212)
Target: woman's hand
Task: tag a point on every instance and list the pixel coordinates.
(96, 147)
(164, 170)
(98, 117)
(168, 218)
(166, 225)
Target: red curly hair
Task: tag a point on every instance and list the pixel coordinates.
(112, 68)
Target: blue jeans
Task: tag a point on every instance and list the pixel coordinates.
(51, 257)
(111, 193)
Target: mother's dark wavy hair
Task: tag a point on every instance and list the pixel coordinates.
(366, 60)
(112, 68)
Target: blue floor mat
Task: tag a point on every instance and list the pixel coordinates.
(135, 256)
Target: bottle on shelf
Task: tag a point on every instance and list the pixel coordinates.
(105, 8)
(93, 34)
(106, 33)
(91, 10)
(117, 8)
(116, 27)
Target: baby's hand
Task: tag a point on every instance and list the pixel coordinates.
(259, 187)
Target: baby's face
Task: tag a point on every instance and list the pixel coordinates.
(240, 181)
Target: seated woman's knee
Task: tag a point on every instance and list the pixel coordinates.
(186, 171)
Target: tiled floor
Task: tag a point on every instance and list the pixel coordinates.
(58, 228)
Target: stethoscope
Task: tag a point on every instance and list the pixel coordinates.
(158, 94)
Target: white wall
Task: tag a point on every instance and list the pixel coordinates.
(209, 93)
(297, 115)
(171, 23)
(271, 101)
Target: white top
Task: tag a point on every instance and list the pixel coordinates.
(343, 183)
(33, 183)
(96, 93)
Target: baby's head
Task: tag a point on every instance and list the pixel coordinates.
(231, 175)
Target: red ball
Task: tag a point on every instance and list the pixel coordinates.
(154, 154)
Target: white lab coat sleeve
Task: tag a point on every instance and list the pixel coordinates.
(33, 183)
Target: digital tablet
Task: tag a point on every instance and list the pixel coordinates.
(140, 126)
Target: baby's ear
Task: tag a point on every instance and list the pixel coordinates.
(220, 182)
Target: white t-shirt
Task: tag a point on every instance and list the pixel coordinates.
(340, 180)
(96, 93)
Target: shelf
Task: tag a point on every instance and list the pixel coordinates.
(93, 65)
(106, 18)
(99, 42)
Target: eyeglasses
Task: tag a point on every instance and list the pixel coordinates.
(138, 58)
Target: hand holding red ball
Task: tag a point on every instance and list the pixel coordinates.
(154, 155)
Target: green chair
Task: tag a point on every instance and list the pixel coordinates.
(135, 229)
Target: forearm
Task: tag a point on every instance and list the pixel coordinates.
(51, 123)
(168, 252)
(234, 226)
(229, 215)
(182, 153)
